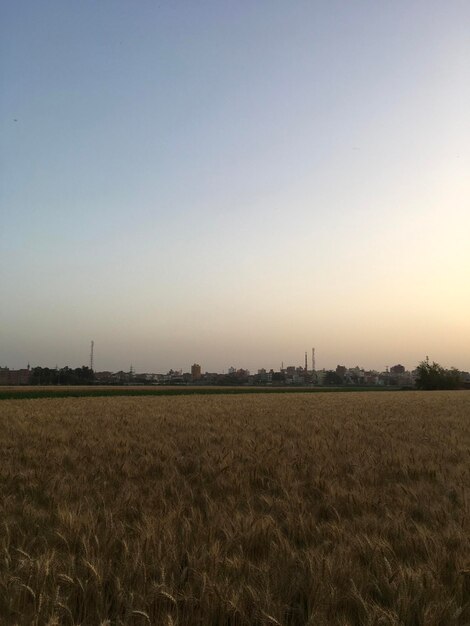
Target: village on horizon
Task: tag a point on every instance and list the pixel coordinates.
(394, 376)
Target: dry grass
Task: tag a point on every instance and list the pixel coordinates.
(236, 510)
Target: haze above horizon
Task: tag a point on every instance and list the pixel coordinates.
(233, 183)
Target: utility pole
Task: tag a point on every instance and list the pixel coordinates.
(91, 354)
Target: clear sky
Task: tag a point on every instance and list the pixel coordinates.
(234, 182)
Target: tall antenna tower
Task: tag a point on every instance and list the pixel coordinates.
(305, 369)
(92, 346)
(313, 359)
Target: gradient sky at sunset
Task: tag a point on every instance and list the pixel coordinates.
(234, 182)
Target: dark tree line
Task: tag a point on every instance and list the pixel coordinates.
(434, 376)
(332, 378)
(63, 376)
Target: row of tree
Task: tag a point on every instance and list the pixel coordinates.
(433, 376)
(63, 376)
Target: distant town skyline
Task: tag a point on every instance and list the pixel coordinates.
(427, 375)
(231, 183)
(188, 366)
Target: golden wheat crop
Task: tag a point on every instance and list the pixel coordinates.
(323, 509)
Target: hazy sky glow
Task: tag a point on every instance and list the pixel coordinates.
(233, 183)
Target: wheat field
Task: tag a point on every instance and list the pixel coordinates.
(323, 509)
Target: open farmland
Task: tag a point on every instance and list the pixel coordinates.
(292, 509)
(95, 391)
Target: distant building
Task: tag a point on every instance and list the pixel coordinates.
(371, 377)
(103, 377)
(196, 372)
(242, 373)
(15, 377)
(263, 377)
